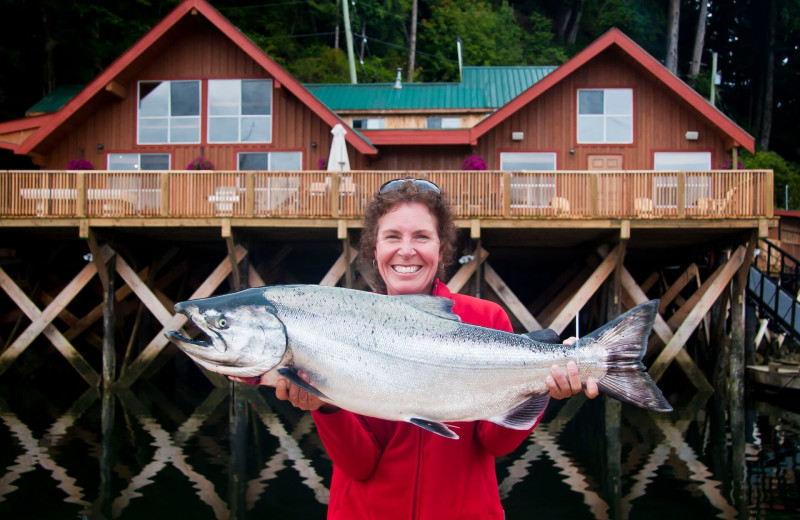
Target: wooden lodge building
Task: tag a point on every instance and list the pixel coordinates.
(602, 189)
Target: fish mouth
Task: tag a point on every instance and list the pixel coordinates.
(177, 338)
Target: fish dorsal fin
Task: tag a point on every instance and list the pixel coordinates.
(434, 427)
(544, 336)
(525, 414)
(436, 305)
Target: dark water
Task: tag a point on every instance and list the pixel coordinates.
(174, 451)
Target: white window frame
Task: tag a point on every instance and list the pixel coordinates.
(696, 186)
(445, 123)
(239, 115)
(171, 120)
(530, 191)
(372, 123)
(604, 117)
(269, 159)
(138, 160)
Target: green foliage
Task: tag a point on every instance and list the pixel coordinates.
(786, 173)
(320, 64)
(489, 37)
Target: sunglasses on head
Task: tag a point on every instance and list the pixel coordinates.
(395, 184)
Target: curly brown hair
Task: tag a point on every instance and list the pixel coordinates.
(381, 204)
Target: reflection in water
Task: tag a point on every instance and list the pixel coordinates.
(133, 454)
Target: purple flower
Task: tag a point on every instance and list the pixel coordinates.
(200, 163)
(80, 164)
(475, 162)
(322, 164)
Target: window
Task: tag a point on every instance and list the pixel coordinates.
(138, 161)
(443, 122)
(271, 161)
(605, 115)
(240, 111)
(169, 112)
(527, 161)
(373, 123)
(696, 186)
(534, 190)
(691, 161)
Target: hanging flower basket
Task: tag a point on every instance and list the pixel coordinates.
(200, 163)
(475, 162)
(80, 164)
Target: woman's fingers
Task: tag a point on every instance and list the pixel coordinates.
(563, 385)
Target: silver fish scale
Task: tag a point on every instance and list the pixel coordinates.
(372, 350)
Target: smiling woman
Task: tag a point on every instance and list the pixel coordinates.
(407, 251)
(392, 469)
(413, 208)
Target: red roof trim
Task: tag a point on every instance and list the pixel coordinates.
(616, 37)
(212, 15)
(17, 125)
(417, 137)
(24, 123)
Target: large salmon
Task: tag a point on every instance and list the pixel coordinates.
(410, 358)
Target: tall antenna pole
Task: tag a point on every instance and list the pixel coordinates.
(713, 78)
(460, 58)
(348, 36)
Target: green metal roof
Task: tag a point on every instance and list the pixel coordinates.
(481, 87)
(53, 101)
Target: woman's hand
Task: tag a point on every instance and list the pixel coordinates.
(566, 385)
(286, 391)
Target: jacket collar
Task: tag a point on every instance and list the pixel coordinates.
(440, 289)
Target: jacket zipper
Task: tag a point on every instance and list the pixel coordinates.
(417, 478)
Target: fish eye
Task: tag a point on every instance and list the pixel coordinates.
(222, 323)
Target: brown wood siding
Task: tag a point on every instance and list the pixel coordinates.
(194, 53)
(421, 158)
(661, 119)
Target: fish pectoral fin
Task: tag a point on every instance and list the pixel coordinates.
(524, 415)
(434, 427)
(292, 375)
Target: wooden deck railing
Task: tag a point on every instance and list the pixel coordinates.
(322, 194)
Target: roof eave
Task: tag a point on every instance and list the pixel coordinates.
(158, 31)
(616, 37)
(418, 137)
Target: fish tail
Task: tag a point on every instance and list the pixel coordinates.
(625, 340)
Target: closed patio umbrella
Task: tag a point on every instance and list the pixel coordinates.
(338, 160)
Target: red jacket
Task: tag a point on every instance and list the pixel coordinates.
(395, 470)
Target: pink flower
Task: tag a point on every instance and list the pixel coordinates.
(475, 162)
(80, 164)
(200, 163)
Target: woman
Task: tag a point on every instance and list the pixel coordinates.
(385, 469)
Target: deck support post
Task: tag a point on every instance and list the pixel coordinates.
(613, 408)
(737, 374)
(109, 346)
(341, 233)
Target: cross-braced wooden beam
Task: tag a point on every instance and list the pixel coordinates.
(173, 322)
(682, 334)
(41, 321)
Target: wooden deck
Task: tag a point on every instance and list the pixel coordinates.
(168, 198)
